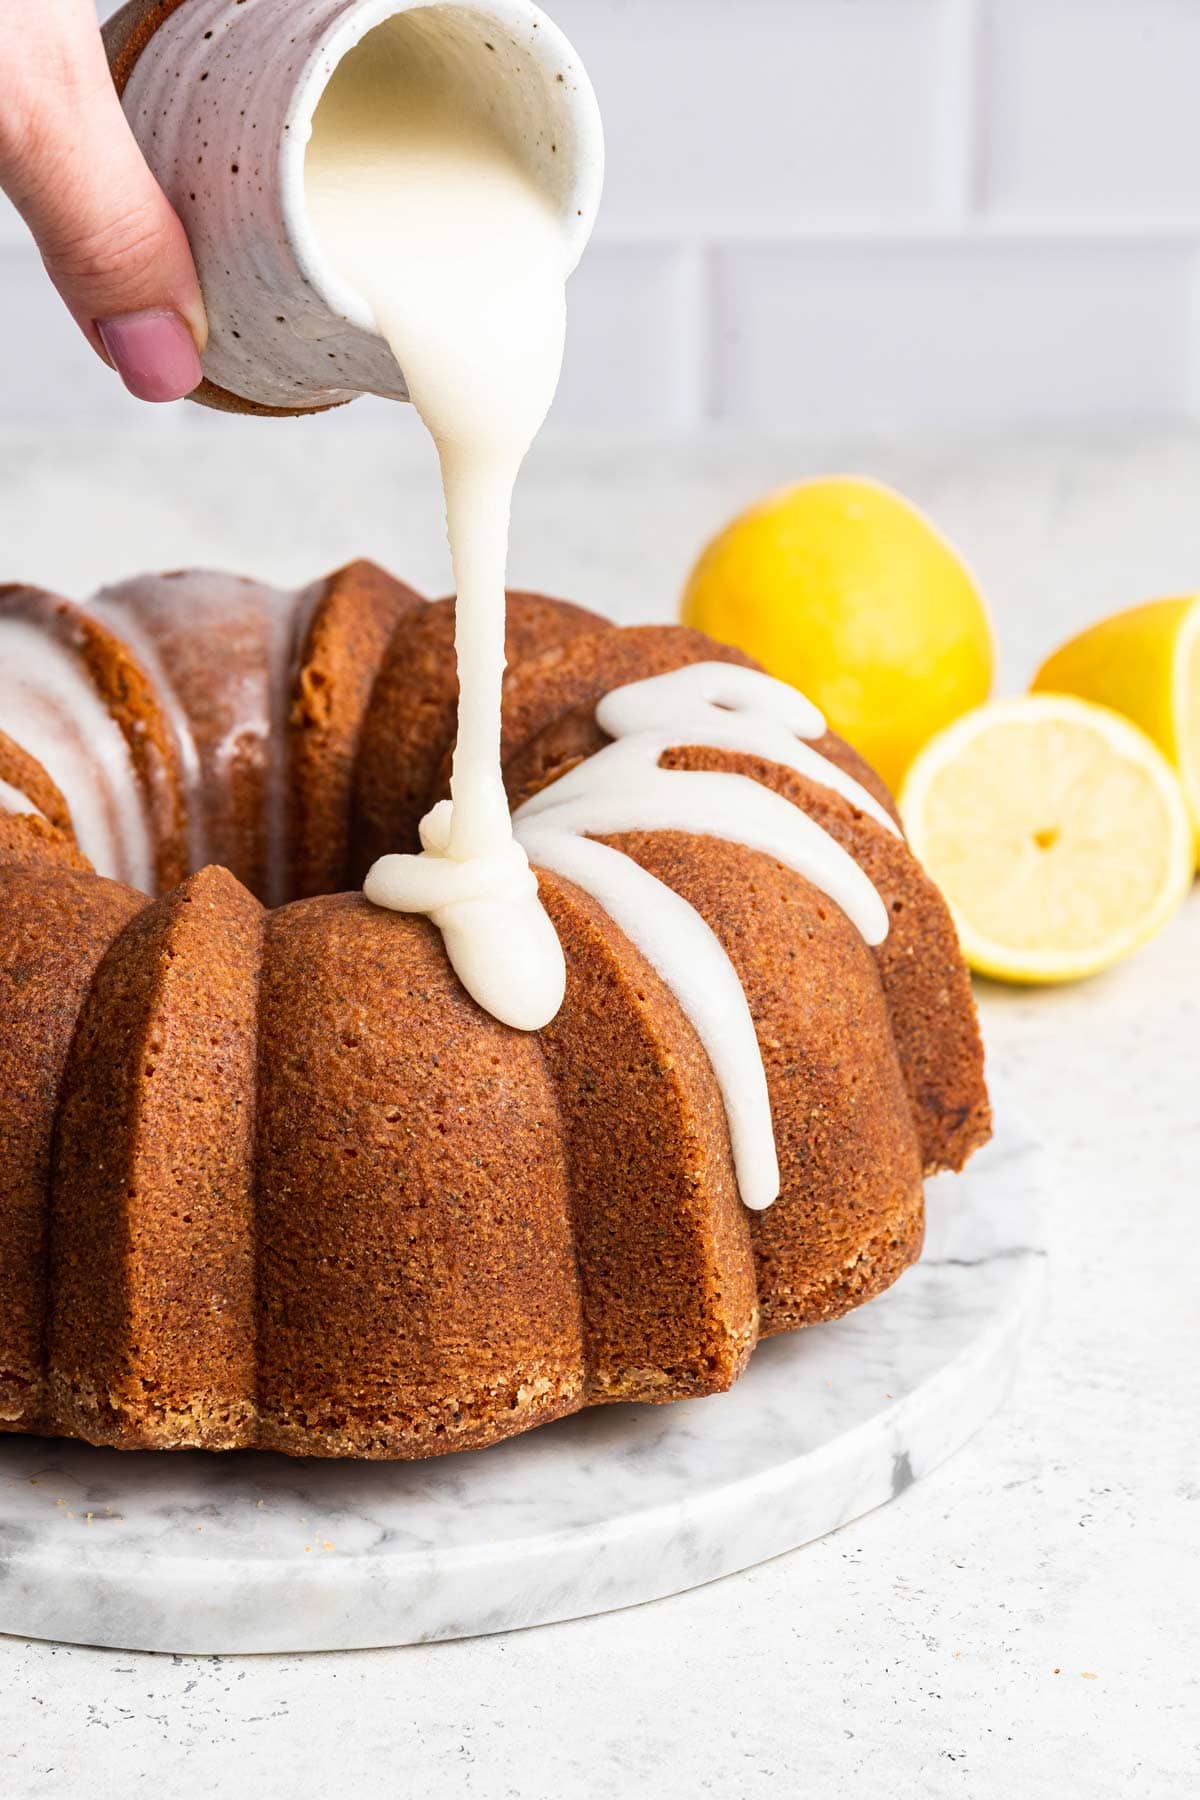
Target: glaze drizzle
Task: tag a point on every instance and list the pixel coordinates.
(624, 788)
(49, 704)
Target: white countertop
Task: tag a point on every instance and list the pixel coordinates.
(1021, 1623)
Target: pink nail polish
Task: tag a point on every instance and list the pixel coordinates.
(153, 353)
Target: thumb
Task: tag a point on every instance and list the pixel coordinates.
(111, 242)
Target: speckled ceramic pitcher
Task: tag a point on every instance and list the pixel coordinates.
(221, 96)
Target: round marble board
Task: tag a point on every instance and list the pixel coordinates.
(189, 1552)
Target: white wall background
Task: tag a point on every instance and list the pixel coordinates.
(839, 216)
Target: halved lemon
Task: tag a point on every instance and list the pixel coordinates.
(1057, 831)
(1144, 663)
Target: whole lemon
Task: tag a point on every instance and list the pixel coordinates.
(844, 589)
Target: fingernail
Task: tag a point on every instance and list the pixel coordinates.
(153, 353)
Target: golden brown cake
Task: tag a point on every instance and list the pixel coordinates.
(269, 1177)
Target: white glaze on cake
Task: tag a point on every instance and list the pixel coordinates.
(49, 704)
(497, 933)
(12, 800)
(182, 625)
(731, 708)
(623, 788)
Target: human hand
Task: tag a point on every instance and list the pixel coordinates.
(111, 242)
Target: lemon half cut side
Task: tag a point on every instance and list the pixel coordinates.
(1057, 831)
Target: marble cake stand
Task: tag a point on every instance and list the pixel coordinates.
(197, 1553)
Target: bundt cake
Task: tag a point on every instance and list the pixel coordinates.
(270, 1177)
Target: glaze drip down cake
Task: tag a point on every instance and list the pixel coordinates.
(270, 1177)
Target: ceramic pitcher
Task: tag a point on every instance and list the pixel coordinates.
(221, 96)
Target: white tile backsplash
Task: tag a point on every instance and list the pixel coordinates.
(839, 215)
(1092, 107)
(880, 338)
(764, 112)
(637, 339)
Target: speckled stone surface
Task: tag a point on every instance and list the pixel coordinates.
(201, 1553)
(1023, 1621)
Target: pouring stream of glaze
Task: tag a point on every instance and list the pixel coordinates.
(424, 207)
